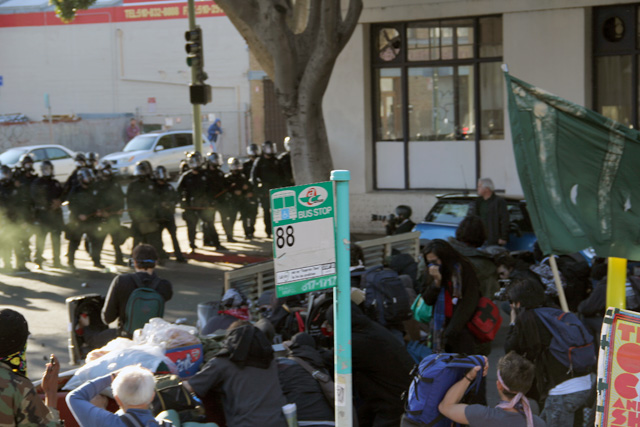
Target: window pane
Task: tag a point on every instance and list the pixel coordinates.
(389, 44)
(465, 42)
(431, 104)
(614, 88)
(423, 42)
(389, 105)
(446, 41)
(466, 115)
(491, 101)
(490, 37)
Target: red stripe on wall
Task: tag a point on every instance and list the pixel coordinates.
(123, 13)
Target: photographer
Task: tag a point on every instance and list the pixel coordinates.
(398, 223)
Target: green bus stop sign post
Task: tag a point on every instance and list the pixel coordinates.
(311, 253)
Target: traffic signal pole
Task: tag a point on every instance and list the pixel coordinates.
(197, 116)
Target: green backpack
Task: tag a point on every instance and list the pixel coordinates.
(143, 304)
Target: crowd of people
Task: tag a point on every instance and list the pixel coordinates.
(32, 204)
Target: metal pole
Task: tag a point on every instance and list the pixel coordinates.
(559, 288)
(616, 282)
(197, 118)
(342, 304)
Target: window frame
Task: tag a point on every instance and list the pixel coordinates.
(404, 64)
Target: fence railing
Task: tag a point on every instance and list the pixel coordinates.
(254, 279)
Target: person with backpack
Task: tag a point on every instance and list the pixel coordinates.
(515, 377)
(135, 298)
(558, 345)
(133, 389)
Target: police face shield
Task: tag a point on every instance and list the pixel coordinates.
(86, 176)
(214, 159)
(46, 169)
(80, 161)
(268, 149)
(194, 161)
(234, 165)
(253, 150)
(161, 173)
(141, 170)
(106, 171)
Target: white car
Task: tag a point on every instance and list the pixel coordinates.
(166, 148)
(61, 157)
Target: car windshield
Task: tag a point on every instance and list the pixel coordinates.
(449, 211)
(11, 157)
(140, 143)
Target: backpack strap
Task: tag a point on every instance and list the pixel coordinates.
(130, 420)
(317, 374)
(155, 281)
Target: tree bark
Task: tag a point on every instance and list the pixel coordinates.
(297, 44)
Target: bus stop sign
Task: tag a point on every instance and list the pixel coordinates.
(304, 252)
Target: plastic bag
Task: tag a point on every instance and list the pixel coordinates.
(159, 332)
(122, 352)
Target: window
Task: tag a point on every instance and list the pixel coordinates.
(167, 142)
(616, 36)
(183, 139)
(438, 91)
(56, 154)
(38, 155)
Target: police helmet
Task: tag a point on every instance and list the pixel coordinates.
(106, 168)
(195, 160)
(253, 150)
(403, 211)
(93, 158)
(80, 160)
(161, 173)
(46, 168)
(287, 143)
(269, 148)
(26, 162)
(86, 176)
(234, 164)
(5, 173)
(214, 159)
(143, 168)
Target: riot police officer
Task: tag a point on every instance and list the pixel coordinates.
(46, 192)
(9, 220)
(240, 191)
(93, 161)
(141, 203)
(217, 195)
(195, 199)
(167, 201)
(284, 161)
(111, 198)
(253, 151)
(24, 177)
(80, 161)
(84, 211)
(265, 175)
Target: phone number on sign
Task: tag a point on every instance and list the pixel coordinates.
(317, 284)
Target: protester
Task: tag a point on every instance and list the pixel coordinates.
(245, 373)
(19, 403)
(454, 292)
(132, 130)
(133, 389)
(144, 261)
(515, 376)
(214, 132)
(563, 391)
(401, 223)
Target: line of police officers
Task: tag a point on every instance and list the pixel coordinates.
(32, 204)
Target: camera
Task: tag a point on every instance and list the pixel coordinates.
(502, 294)
(384, 218)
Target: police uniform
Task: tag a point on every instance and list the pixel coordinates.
(111, 198)
(26, 212)
(168, 198)
(286, 172)
(196, 201)
(84, 208)
(240, 192)
(9, 225)
(265, 175)
(251, 205)
(141, 203)
(217, 200)
(46, 193)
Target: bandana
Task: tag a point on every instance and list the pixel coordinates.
(520, 400)
(17, 361)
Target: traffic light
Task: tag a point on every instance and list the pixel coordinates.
(195, 53)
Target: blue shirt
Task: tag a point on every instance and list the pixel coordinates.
(89, 415)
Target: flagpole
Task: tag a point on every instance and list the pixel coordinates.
(556, 278)
(616, 282)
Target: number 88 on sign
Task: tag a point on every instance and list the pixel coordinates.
(304, 238)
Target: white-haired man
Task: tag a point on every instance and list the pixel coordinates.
(133, 389)
(493, 212)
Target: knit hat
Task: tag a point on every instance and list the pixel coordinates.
(13, 332)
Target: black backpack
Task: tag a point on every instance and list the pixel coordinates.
(386, 298)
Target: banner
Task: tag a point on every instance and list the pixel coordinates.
(579, 172)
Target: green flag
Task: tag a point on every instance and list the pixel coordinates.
(580, 173)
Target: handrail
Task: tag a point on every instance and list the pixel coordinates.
(257, 278)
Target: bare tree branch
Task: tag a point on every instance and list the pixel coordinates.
(349, 23)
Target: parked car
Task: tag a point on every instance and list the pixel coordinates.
(450, 209)
(61, 157)
(166, 148)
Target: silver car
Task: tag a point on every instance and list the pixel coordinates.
(61, 158)
(166, 148)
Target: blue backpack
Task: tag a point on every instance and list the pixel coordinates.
(435, 375)
(571, 343)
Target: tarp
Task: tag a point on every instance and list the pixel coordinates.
(580, 173)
